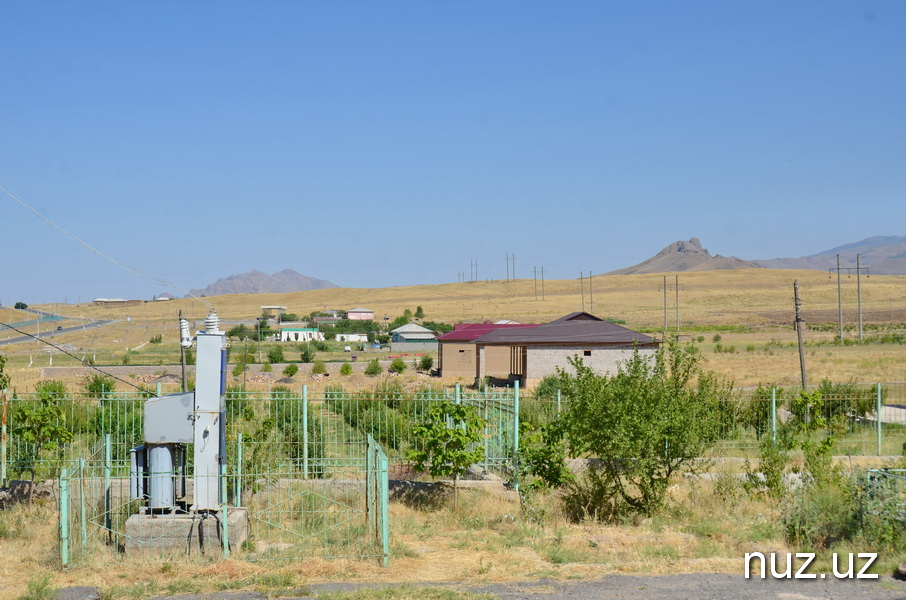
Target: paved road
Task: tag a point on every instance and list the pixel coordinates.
(52, 330)
(698, 586)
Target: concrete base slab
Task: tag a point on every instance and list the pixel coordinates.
(200, 533)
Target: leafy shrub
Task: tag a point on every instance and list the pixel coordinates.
(398, 365)
(319, 368)
(290, 370)
(346, 369)
(716, 338)
(373, 368)
(98, 385)
(156, 339)
(267, 368)
(426, 363)
(653, 417)
(275, 355)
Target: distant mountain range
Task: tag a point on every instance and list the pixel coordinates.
(883, 255)
(256, 282)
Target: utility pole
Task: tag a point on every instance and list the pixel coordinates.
(582, 284)
(799, 325)
(542, 284)
(514, 266)
(507, 259)
(665, 307)
(535, 279)
(591, 296)
(676, 289)
(839, 299)
(859, 293)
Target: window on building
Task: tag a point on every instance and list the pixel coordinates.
(586, 352)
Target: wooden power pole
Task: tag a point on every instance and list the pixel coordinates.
(799, 325)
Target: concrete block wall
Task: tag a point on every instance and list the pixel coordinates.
(542, 361)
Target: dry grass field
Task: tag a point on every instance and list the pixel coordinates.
(752, 311)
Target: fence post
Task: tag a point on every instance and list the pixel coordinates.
(304, 432)
(237, 491)
(774, 415)
(516, 435)
(384, 499)
(64, 517)
(457, 397)
(158, 389)
(4, 400)
(224, 513)
(558, 402)
(108, 460)
(84, 518)
(878, 415)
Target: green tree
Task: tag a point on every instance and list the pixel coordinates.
(308, 354)
(346, 369)
(373, 368)
(98, 385)
(290, 370)
(241, 332)
(42, 426)
(398, 365)
(20, 306)
(426, 363)
(645, 422)
(450, 436)
(275, 355)
(419, 313)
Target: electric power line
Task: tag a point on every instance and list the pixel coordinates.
(42, 340)
(152, 278)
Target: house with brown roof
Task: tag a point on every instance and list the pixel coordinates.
(457, 354)
(536, 352)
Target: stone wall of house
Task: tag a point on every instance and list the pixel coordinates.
(542, 361)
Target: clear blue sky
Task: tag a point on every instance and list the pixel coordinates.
(377, 144)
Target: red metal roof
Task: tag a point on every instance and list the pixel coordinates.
(466, 332)
(575, 328)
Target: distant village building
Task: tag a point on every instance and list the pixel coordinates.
(412, 338)
(300, 334)
(271, 310)
(360, 314)
(352, 337)
(116, 302)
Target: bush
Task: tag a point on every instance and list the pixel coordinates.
(426, 363)
(319, 368)
(275, 355)
(156, 339)
(653, 417)
(398, 365)
(346, 369)
(307, 355)
(290, 370)
(373, 368)
(716, 338)
(20, 306)
(267, 368)
(98, 385)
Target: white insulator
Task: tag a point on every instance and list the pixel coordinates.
(212, 323)
(185, 339)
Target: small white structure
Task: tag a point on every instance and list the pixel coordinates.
(352, 337)
(300, 334)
